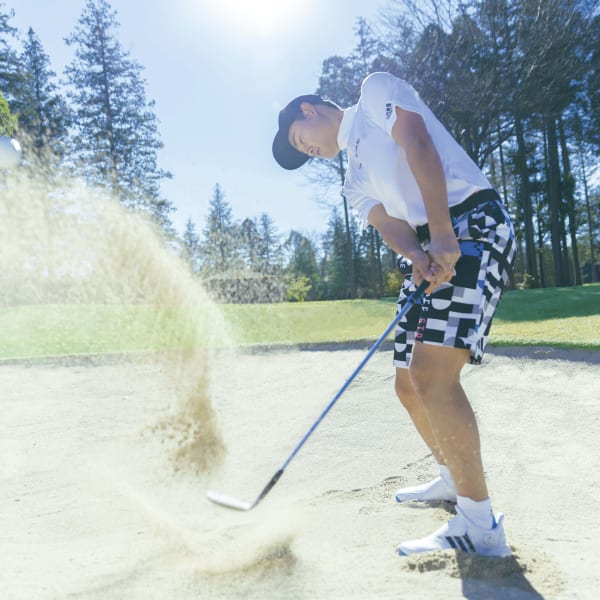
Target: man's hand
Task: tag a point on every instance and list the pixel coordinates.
(444, 252)
(402, 238)
(423, 268)
(436, 265)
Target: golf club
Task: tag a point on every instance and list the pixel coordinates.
(234, 503)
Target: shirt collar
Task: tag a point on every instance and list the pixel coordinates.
(345, 126)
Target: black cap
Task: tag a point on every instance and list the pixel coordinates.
(285, 154)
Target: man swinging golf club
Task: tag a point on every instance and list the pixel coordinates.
(430, 202)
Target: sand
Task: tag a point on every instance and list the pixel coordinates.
(99, 502)
(105, 460)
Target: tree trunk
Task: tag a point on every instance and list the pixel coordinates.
(349, 244)
(588, 208)
(505, 199)
(569, 190)
(381, 286)
(554, 199)
(525, 197)
(540, 243)
(374, 292)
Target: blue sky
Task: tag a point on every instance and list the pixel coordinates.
(219, 71)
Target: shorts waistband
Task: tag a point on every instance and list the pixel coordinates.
(474, 200)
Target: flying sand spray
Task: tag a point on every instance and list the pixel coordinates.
(80, 254)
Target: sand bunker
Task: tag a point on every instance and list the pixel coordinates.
(106, 459)
(94, 508)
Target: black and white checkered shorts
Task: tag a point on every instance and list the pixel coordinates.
(459, 313)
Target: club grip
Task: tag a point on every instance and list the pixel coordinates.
(421, 289)
(404, 265)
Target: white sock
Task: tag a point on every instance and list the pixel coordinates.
(479, 512)
(446, 475)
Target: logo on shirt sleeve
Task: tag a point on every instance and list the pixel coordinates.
(388, 110)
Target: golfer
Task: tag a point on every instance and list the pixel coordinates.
(430, 202)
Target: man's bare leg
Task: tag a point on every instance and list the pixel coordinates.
(435, 374)
(416, 410)
(442, 486)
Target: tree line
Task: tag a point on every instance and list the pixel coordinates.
(517, 82)
(98, 125)
(251, 261)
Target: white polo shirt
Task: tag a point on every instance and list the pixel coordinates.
(378, 171)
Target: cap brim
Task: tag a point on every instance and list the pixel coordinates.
(285, 154)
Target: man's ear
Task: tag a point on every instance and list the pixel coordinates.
(308, 109)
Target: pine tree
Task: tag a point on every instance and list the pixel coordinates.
(116, 137)
(190, 250)
(43, 112)
(10, 69)
(334, 267)
(220, 245)
(301, 262)
(249, 244)
(269, 249)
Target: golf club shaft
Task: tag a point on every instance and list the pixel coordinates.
(232, 503)
(356, 371)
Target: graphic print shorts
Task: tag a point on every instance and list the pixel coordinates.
(459, 313)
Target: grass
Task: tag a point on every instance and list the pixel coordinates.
(53, 330)
(309, 322)
(565, 317)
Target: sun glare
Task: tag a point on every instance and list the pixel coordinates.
(262, 18)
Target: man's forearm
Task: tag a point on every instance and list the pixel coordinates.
(426, 167)
(396, 233)
(410, 132)
(400, 237)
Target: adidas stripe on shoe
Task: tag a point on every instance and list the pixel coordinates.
(462, 534)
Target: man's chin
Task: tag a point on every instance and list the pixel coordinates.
(329, 155)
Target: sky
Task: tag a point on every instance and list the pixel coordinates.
(219, 72)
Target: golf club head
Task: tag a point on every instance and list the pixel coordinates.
(229, 501)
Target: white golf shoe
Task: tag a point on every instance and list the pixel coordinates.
(462, 534)
(436, 489)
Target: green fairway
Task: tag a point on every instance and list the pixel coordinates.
(567, 317)
(56, 329)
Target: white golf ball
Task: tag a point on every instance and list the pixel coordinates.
(10, 153)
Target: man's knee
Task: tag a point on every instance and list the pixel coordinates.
(405, 389)
(434, 367)
(424, 384)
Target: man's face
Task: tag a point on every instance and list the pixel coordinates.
(315, 134)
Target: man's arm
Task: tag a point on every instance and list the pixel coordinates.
(401, 238)
(410, 132)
